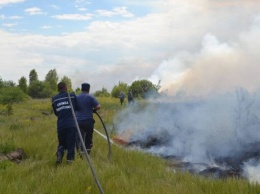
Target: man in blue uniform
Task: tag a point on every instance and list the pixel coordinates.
(88, 104)
(66, 126)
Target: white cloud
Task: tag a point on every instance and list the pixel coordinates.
(10, 17)
(117, 11)
(46, 27)
(198, 46)
(15, 17)
(73, 17)
(34, 11)
(6, 2)
(9, 24)
(82, 9)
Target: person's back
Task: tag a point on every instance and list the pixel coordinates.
(130, 97)
(88, 104)
(66, 126)
(62, 109)
(121, 97)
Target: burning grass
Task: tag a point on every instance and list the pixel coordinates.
(215, 136)
(129, 171)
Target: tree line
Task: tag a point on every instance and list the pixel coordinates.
(34, 88)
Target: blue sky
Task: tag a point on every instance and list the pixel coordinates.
(193, 46)
(62, 16)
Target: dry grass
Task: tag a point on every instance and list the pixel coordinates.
(129, 171)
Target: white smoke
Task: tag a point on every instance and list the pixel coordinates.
(196, 130)
(252, 171)
(216, 68)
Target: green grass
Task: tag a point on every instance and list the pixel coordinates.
(128, 171)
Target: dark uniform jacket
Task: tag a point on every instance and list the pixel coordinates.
(62, 109)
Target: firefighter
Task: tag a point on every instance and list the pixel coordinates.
(66, 126)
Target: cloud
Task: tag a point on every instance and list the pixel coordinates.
(9, 24)
(15, 17)
(3, 17)
(34, 11)
(194, 46)
(6, 2)
(73, 17)
(46, 27)
(121, 11)
(82, 9)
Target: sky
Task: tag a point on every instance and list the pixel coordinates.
(194, 47)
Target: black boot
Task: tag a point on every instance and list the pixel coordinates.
(59, 157)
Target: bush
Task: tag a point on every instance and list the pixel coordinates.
(143, 89)
(39, 89)
(102, 93)
(121, 87)
(10, 95)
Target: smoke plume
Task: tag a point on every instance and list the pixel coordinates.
(198, 130)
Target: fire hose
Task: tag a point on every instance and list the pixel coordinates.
(84, 148)
(108, 140)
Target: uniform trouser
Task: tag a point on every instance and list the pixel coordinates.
(67, 140)
(121, 101)
(86, 129)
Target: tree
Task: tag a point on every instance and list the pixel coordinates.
(33, 76)
(9, 83)
(102, 93)
(78, 90)
(121, 87)
(67, 81)
(52, 79)
(22, 83)
(39, 89)
(144, 88)
(1, 83)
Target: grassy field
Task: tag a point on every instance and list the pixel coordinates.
(128, 171)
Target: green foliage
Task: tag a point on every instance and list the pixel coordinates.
(15, 126)
(67, 81)
(9, 83)
(6, 147)
(10, 95)
(22, 83)
(102, 93)
(33, 76)
(6, 83)
(9, 109)
(1, 83)
(6, 164)
(143, 88)
(78, 90)
(39, 89)
(117, 89)
(52, 79)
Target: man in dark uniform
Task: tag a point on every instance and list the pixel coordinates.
(66, 126)
(130, 97)
(121, 97)
(88, 104)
